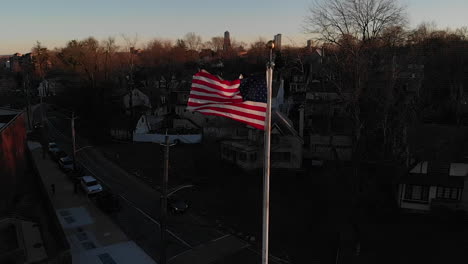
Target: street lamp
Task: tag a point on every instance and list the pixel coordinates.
(76, 151)
(178, 188)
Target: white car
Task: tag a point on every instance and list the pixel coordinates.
(66, 163)
(90, 185)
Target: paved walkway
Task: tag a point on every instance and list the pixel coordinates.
(91, 234)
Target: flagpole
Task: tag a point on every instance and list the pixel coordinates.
(266, 157)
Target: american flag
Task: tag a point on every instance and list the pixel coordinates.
(243, 100)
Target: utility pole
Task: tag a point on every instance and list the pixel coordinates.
(164, 201)
(266, 159)
(41, 94)
(73, 139)
(26, 89)
(163, 213)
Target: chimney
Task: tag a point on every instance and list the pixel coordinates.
(309, 44)
(301, 121)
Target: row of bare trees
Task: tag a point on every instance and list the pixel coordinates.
(369, 48)
(364, 37)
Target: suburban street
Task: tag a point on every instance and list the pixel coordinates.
(140, 212)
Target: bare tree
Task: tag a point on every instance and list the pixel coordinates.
(216, 43)
(130, 44)
(41, 59)
(110, 48)
(359, 19)
(192, 41)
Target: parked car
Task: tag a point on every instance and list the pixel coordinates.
(77, 173)
(53, 147)
(108, 202)
(57, 155)
(66, 163)
(176, 206)
(90, 185)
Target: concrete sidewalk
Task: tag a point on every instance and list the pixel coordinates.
(91, 234)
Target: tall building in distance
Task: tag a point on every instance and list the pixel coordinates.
(277, 41)
(227, 41)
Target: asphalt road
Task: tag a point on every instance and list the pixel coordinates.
(140, 213)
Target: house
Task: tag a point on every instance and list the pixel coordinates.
(438, 173)
(219, 128)
(121, 127)
(46, 88)
(328, 147)
(434, 184)
(7, 84)
(247, 152)
(154, 129)
(136, 99)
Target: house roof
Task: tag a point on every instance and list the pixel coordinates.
(284, 124)
(9, 111)
(437, 173)
(275, 87)
(244, 144)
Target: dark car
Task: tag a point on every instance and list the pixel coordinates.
(57, 155)
(176, 206)
(108, 202)
(66, 164)
(77, 173)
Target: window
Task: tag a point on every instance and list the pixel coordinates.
(226, 151)
(242, 156)
(313, 147)
(281, 156)
(69, 219)
(448, 193)
(417, 193)
(253, 157)
(91, 183)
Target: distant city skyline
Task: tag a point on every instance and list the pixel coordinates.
(54, 23)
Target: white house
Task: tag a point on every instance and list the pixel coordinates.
(46, 88)
(151, 129)
(136, 98)
(431, 184)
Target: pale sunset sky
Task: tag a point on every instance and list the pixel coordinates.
(54, 22)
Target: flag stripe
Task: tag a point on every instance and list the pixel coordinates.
(259, 108)
(211, 78)
(210, 95)
(234, 112)
(215, 85)
(251, 122)
(213, 91)
(208, 98)
(231, 109)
